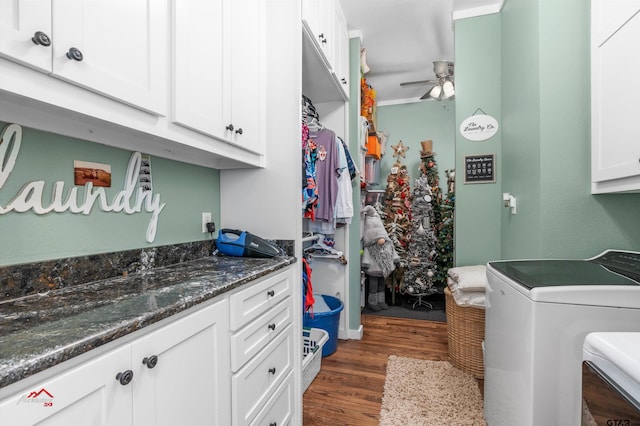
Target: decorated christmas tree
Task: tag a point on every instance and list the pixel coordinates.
(442, 217)
(422, 254)
(445, 230)
(429, 168)
(396, 214)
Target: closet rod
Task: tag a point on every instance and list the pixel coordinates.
(309, 238)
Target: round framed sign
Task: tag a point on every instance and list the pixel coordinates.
(479, 127)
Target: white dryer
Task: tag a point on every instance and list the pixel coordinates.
(537, 316)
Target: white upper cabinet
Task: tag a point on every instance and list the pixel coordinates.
(318, 16)
(615, 86)
(247, 58)
(181, 79)
(198, 66)
(114, 47)
(25, 32)
(219, 71)
(325, 25)
(341, 69)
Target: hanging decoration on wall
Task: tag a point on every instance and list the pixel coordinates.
(480, 168)
(145, 173)
(479, 127)
(96, 173)
(132, 198)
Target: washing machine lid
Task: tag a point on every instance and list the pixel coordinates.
(618, 268)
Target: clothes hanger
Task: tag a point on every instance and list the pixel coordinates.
(315, 125)
(321, 250)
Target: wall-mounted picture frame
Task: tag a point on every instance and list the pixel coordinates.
(96, 173)
(480, 168)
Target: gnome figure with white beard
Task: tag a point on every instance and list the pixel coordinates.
(379, 259)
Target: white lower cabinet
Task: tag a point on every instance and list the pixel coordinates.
(279, 409)
(262, 351)
(260, 377)
(177, 374)
(230, 362)
(181, 371)
(87, 394)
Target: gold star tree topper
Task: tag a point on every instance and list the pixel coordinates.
(399, 150)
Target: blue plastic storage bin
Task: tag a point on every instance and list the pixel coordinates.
(328, 321)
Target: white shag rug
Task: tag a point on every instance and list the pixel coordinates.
(421, 393)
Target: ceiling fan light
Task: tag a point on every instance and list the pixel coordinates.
(448, 89)
(436, 92)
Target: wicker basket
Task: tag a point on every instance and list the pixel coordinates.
(465, 331)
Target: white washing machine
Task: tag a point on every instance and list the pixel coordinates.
(537, 316)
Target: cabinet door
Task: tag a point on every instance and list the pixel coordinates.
(341, 53)
(85, 395)
(188, 381)
(124, 48)
(615, 68)
(246, 80)
(318, 15)
(20, 20)
(199, 66)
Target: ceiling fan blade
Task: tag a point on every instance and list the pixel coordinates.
(410, 83)
(427, 94)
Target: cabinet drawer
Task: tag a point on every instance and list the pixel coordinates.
(257, 380)
(251, 339)
(249, 304)
(279, 408)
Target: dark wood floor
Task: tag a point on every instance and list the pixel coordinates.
(348, 390)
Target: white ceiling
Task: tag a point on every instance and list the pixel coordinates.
(402, 38)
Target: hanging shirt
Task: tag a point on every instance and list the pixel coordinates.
(344, 199)
(327, 171)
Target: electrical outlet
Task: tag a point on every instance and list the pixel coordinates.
(206, 218)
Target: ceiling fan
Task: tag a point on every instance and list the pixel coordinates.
(442, 86)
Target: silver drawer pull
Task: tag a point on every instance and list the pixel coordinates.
(272, 370)
(272, 326)
(271, 293)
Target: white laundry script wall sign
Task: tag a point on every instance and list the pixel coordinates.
(132, 199)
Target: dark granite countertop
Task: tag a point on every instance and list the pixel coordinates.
(40, 331)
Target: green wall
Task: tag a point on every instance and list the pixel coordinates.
(546, 138)
(411, 124)
(27, 237)
(478, 206)
(539, 53)
(354, 229)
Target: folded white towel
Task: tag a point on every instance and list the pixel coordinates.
(476, 299)
(469, 278)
